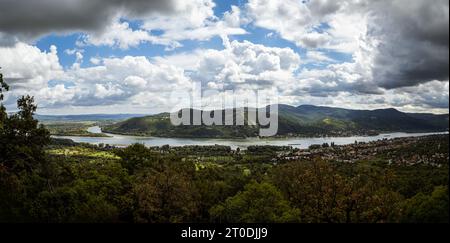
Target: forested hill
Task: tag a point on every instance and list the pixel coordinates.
(304, 120)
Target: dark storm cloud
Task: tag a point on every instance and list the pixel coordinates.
(31, 18)
(414, 42)
(324, 7)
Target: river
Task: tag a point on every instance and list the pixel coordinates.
(296, 142)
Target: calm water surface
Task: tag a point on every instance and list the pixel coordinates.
(122, 140)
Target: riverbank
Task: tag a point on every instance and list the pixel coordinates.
(296, 142)
(290, 136)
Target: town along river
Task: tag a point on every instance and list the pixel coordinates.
(296, 142)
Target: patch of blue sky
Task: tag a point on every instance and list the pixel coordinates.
(313, 65)
(157, 32)
(133, 24)
(335, 57)
(267, 38)
(322, 27)
(143, 49)
(338, 56)
(62, 42)
(223, 6)
(146, 49)
(215, 42)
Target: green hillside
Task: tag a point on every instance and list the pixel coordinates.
(305, 120)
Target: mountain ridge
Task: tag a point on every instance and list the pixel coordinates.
(303, 120)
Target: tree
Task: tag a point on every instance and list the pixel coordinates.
(214, 184)
(96, 192)
(22, 140)
(3, 87)
(427, 208)
(257, 203)
(166, 196)
(136, 157)
(23, 167)
(323, 194)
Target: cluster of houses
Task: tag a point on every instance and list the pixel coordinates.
(387, 149)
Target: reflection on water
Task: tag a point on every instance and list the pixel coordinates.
(121, 140)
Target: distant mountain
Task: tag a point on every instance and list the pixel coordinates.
(304, 120)
(381, 120)
(90, 117)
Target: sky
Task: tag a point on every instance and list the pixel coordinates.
(117, 56)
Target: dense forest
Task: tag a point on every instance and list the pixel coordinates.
(46, 180)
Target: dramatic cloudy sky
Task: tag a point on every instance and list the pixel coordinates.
(117, 56)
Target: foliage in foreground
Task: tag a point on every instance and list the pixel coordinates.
(88, 185)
